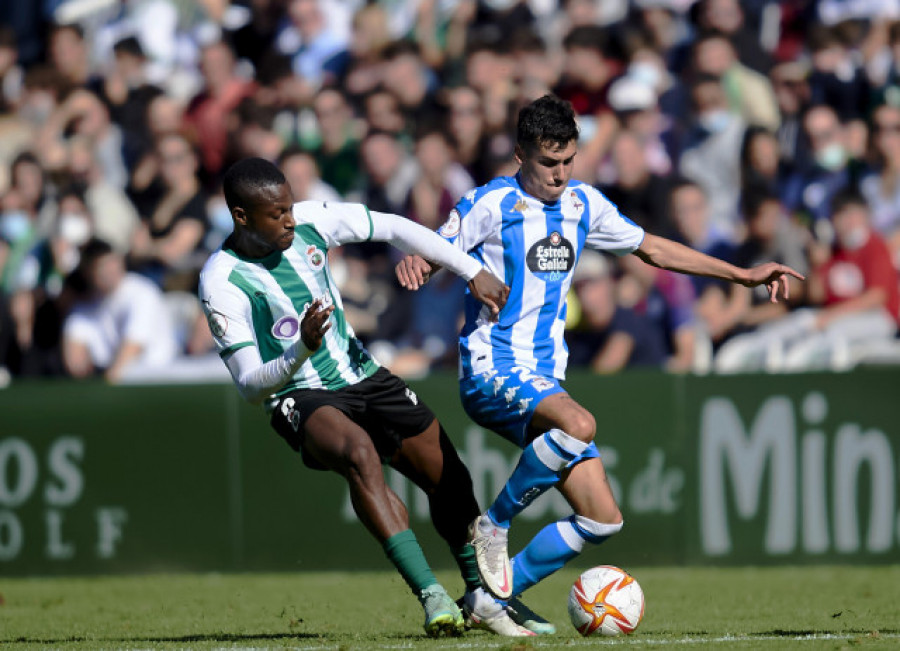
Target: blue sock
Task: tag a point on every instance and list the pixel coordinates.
(554, 546)
(538, 469)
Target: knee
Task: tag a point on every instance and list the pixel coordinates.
(359, 460)
(582, 426)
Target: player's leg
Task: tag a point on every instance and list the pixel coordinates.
(339, 444)
(558, 432)
(432, 463)
(596, 518)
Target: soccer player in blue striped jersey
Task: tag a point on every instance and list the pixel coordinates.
(530, 230)
(278, 322)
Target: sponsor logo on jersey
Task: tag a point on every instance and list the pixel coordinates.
(552, 255)
(315, 257)
(286, 327)
(452, 225)
(520, 206)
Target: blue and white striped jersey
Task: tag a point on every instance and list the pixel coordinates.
(533, 247)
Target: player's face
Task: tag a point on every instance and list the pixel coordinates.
(547, 169)
(268, 221)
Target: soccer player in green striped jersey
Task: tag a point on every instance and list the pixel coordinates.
(277, 319)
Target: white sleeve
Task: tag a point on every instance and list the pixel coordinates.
(414, 238)
(610, 230)
(257, 381)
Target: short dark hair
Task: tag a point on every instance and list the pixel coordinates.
(246, 177)
(849, 196)
(547, 119)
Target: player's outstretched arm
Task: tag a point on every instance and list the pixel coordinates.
(666, 254)
(413, 271)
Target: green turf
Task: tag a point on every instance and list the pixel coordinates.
(774, 608)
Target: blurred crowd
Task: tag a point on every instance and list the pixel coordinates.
(752, 130)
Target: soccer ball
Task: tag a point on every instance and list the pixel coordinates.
(606, 600)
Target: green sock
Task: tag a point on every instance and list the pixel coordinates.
(404, 552)
(465, 559)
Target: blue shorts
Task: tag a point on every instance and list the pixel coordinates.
(504, 399)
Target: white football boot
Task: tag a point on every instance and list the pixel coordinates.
(490, 544)
(482, 611)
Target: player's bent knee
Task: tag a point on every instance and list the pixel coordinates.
(582, 427)
(597, 532)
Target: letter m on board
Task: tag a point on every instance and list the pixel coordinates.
(733, 462)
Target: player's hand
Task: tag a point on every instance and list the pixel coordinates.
(490, 290)
(774, 276)
(315, 324)
(413, 271)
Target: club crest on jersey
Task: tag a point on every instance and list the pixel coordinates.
(553, 254)
(315, 257)
(452, 225)
(541, 384)
(286, 327)
(218, 324)
(577, 203)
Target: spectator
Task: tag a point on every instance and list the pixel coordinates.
(167, 244)
(475, 149)
(301, 171)
(792, 93)
(712, 156)
(83, 114)
(881, 187)
(338, 152)
(412, 83)
(113, 215)
(608, 337)
(43, 290)
(69, 54)
(637, 191)
(312, 42)
(762, 165)
(727, 17)
(749, 93)
(207, 114)
(635, 105)
(854, 301)
(441, 181)
(809, 192)
(836, 80)
(667, 300)
(360, 68)
(121, 322)
(382, 112)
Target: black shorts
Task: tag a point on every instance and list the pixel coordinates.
(383, 405)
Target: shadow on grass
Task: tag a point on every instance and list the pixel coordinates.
(781, 632)
(200, 637)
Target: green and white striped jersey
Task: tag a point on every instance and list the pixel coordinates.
(260, 302)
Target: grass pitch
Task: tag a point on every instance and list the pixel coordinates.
(772, 608)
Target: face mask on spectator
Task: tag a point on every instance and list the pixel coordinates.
(832, 157)
(74, 228)
(715, 121)
(14, 226)
(854, 238)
